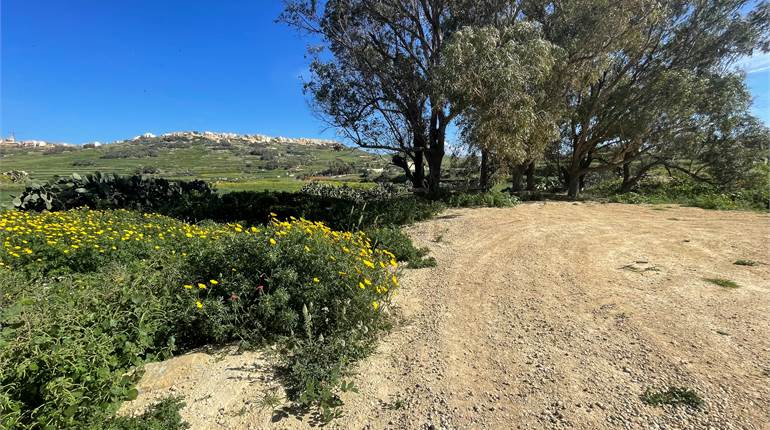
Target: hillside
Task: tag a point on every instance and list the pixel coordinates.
(231, 161)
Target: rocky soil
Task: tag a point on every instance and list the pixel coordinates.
(546, 315)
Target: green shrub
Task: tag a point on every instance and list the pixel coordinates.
(688, 192)
(397, 242)
(163, 415)
(383, 191)
(70, 344)
(107, 191)
(493, 199)
(341, 207)
(338, 213)
(88, 296)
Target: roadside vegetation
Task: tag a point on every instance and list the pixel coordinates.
(90, 295)
(103, 273)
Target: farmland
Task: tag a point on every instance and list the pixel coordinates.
(232, 165)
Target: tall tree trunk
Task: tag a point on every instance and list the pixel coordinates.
(435, 157)
(418, 177)
(573, 186)
(627, 184)
(574, 176)
(435, 153)
(484, 172)
(517, 172)
(531, 176)
(628, 180)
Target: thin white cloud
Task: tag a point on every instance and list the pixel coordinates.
(759, 62)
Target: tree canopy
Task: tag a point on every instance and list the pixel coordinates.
(609, 84)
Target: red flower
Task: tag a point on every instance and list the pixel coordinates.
(260, 288)
(233, 297)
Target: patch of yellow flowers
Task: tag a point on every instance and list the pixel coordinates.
(41, 235)
(36, 237)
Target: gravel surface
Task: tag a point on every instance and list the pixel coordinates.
(546, 315)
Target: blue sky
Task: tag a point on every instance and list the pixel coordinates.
(85, 70)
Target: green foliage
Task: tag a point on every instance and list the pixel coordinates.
(163, 415)
(687, 192)
(338, 167)
(397, 242)
(100, 191)
(495, 75)
(71, 343)
(89, 296)
(339, 213)
(726, 283)
(131, 151)
(743, 262)
(673, 396)
(14, 176)
(492, 199)
(385, 191)
(341, 207)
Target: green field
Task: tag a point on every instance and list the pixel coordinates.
(234, 165)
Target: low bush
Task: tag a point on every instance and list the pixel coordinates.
(107, 191)
(340, 207)
(397, 242)
(14, 176)
(687, 192)
(338, 213)
(88, 296)
(163, 415)
(384, 191)
(134, 151)
(744, 262)
(494, 199)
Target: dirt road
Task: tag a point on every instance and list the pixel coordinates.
(552, 315)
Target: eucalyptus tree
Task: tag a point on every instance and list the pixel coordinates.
(374, 72)
(630, 67)
(712, 138)
(496, 76)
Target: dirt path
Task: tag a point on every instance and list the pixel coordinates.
(551, 315)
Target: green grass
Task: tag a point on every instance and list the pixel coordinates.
(746, 263)
(726, 283)
(673, 396)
